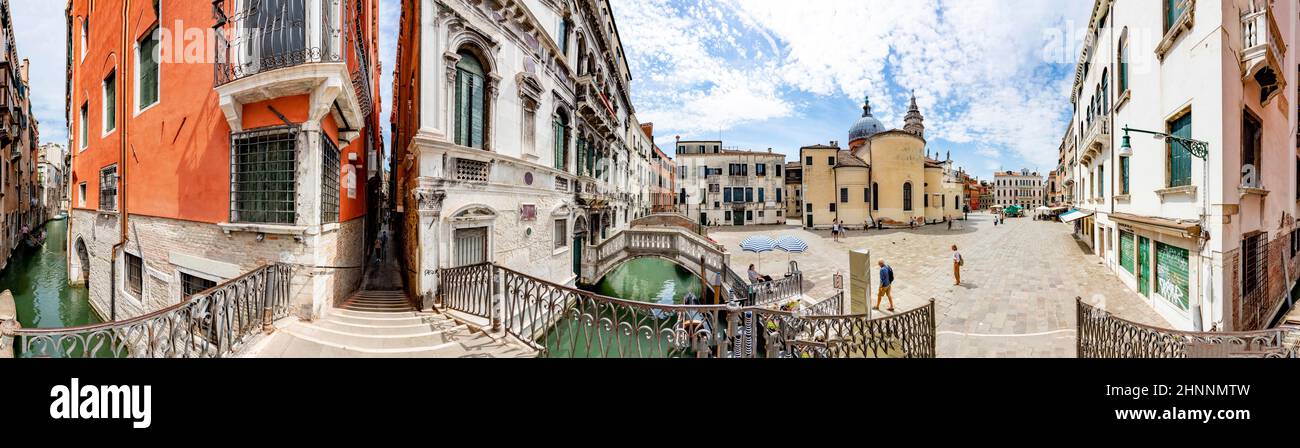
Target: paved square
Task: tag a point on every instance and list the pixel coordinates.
(1019, 282)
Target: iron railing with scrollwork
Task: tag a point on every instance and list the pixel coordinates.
(258, 36)
(767, 293)
(468, 289)
(559, 321)
(833, 306)
(213, 323)
(1102, 335)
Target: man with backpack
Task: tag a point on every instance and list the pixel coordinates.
(886, 284)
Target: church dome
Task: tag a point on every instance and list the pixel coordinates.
(866, 126)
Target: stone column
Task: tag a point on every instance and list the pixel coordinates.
(859, 281)
(8, 324)
(429, 238)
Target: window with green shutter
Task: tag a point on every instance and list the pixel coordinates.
(1123, 175)
(1179, 158)
(1171, 274)
(1173, 11)
(1126, 250)
(469, 101)
(561, 142)
(147, 60)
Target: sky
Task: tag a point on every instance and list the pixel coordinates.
(992, 77)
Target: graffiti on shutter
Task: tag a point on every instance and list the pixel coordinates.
(1171, 274)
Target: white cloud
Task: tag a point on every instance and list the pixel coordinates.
(978, 66)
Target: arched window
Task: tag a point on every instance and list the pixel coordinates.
(875, 196)
(470, 99)
(907, 196)
(1105, 92)
(1122, 81)
(561, 141)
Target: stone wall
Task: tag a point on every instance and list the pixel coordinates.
(328, 265)
(1256, 311)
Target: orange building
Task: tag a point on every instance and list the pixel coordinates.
(211, 138)
(663, 176)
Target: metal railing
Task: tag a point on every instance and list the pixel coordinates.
(210, 324)
(563, 322)
(468, 289)
(777, 290)
(833, 306)
(258, 36)
(1102, 335)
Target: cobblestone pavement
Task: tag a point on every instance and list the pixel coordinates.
(1019, 282)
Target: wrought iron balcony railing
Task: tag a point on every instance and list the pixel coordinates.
(259, 36)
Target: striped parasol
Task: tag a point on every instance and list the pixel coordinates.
(792, 245)
(758, 244)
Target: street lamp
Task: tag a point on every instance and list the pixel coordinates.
(1196, 148)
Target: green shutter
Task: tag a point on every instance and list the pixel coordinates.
(461, 110)
(476, 112)
(1171, 274)
(148, 71)
(1126, 250)
(1180, 160)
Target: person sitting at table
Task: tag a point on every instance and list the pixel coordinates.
(756, 278)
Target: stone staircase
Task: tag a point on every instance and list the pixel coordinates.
(381, 324)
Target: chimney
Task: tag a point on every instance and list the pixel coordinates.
(769, 150)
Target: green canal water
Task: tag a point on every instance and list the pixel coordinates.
(38, 279)
(648, 280)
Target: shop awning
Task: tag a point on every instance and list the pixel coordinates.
(1185, 228)
(1075, 215)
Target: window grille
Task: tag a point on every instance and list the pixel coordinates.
(329, 181)
(263, 175)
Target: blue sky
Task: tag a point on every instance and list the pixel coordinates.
(992, 76)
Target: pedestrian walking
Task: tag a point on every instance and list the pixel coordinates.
(949, 224)
(957, 262)
(835, 230)
(886, 286)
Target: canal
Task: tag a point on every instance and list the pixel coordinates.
(38, 279)
(649, 280)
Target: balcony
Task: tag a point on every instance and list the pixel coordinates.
(1096, 140)
(1262, 50)
(595, 107)
(277, 48)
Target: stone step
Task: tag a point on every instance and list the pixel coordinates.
(377, 314)
(381, 294)
(379, 299)
(287, 343)
(385, 328)
(378, 308)
(380, 343)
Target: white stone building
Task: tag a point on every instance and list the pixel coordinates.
(545, 156)
(52, 178)
(719, 186)
(1206, 233)
(1024, 188)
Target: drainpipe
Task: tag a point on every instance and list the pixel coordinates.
(122, 162)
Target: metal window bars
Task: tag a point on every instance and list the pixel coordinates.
(263, 175)
(329, 184)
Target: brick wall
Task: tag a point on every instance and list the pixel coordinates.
(1254, 312)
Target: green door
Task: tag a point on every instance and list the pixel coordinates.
(1144, 267)
(577, 255)
(738, 218)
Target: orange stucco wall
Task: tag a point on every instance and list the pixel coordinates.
(178, 156)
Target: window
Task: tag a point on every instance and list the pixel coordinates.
(714, 188)
(830, 161)
(1123, 175)
(749, 194)
(146, 81)
(470, 95)
(84, 126)
(726, 195)
(738, 169)
(263, 176)
(470, 246)
(563, 38)
(191, 285)
(561, 233)
(1251, 143)
(1101, 180)
(778, 169)
(866, 195)
(778, 195)
(761, 196)
(808, 160)
(1254, 267)
(1122, 80)
(1173, 11)
(329, 180)
(875, 197)
(749, 215)
(925, 198)
(808, 208)
(561, 141)
(682, 172)
(134, 274)
(1178, 158)
(108, 188)
(81, 194)
(727, 216)
(110, 102)
(832, 208)
(844, 195)
(760, 169)
(907, 197)
(85, 33)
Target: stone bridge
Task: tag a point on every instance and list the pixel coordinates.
(685, 248)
